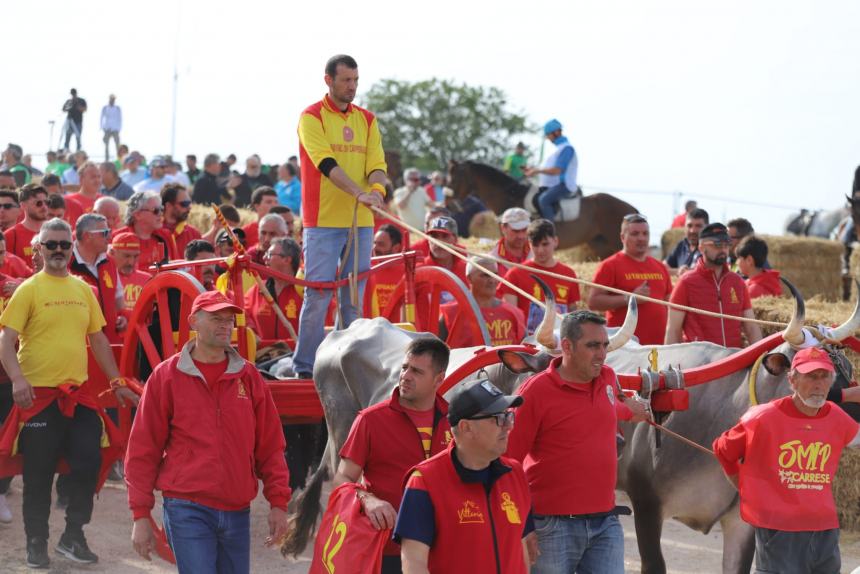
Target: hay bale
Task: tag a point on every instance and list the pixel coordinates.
(202, 216)
(813, 265)
(846, 490)
(578, 254)
(670, 239)
(484, 225)
(854, 269)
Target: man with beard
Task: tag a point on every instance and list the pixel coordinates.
(84, 200)
(34, 200)
(388, 240)
(245, 184)
(53, 315)
(144, 218)
(712, 286)
(514, 245)
(683, 258)
(91, 263)
(177, 206)
(201, 249)
(125, 251)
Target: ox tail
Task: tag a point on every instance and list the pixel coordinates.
(304, 521)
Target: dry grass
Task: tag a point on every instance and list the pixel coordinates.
(202, 216)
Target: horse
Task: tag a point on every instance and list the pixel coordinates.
(817, 223)
(598, 224)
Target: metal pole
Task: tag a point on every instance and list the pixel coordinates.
(51, 134)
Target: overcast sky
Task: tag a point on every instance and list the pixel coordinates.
(747, 101)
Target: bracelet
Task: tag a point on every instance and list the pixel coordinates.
(378, 187)
(117, 383)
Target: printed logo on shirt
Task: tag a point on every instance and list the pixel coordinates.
(510, 508)
(448, 438)
(107, 280)
(802, 465)
(28, 251)
(291, 311)
(470, 513)
(562, 292)
(243, 394)
(611, 394)
(500, 330)
(734, 296)
(131, 293)
(348, 134)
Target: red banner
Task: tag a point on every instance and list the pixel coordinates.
(347, 543)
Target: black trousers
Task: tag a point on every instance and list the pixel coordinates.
(43, 440)
(6, 404)
(391, 565)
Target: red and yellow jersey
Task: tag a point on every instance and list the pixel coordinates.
(352, 139)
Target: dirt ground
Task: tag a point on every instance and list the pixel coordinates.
(109, 535)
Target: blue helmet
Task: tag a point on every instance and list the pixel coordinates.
(551, 126)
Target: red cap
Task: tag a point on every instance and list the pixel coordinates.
(126, 240)
(810, 359)
(212, 301)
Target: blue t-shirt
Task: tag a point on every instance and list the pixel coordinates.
(290, 194)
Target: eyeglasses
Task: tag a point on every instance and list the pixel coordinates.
(155, 210)
(52, 245)
(502, 419)
(105, 233)
(186, 203)
(40, 203)
(635, 218)
(8, 205)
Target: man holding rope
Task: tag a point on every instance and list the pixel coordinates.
(343, 172)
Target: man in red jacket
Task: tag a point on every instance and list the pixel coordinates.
(205, 432)
(389, 438)
(712, 286)
(783, 456)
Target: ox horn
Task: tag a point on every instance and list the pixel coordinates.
(545, 334)
(620, 338)
(793, 333)
(848, 328)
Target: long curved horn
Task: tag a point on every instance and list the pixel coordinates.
(545, 334)
(793, 333)
(848, 328)
(620, 338)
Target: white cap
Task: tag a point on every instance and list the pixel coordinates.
(516, 217)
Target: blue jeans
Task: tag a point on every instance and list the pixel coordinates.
(548, 200)
(806, 552)
(208, 541)
(322, 250)
(582, 545)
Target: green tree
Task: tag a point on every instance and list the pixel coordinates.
(432, 121)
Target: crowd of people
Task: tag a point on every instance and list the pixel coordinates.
(73, 262)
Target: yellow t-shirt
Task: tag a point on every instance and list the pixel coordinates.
(53, 316)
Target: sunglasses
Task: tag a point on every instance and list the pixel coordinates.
(105, 233)
(155, 210)
(186, 203)
(502, 419)
(52, 245)
(40, 203)
(8, 205)
(635, 218)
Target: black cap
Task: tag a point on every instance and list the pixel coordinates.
(479, 397)
(714, 232)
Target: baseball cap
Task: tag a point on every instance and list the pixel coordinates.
(479, 397)
(516, 217)
(810, 359)
(551, 126)
(224, 237)
(157, 161)
(442, 224)
(714, 232)
(211, 301)
(126, 240)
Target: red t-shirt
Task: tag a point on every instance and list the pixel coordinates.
(260, 311)
(729, 295)
(623, 272)
(565, 437)
(381, 285)
(132, 285)
(423, 421)
(78, 204)
(211, 371)
(252, 233)
(18, 240)
(566, 292)
(15, 267)
(789, 463)
(502, 252)
(384, 443)
(183, 234)
(765, 284)
(422, 247)
(680, 220)
(505, 323)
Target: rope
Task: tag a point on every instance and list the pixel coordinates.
(591, 284)
(683, 439)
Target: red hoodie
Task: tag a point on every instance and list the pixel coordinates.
(765, 284)
(206, 445)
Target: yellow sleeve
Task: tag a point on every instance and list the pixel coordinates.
(17, 310)
(375, 155)
(222, 284)
(97, 318)
(312, 137)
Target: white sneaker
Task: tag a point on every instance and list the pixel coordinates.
(5, 513)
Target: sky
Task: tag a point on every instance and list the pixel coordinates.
(731, 103)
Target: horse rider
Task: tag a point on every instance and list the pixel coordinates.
(557, 176)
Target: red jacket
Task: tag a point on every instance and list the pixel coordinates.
(765, 284)
(700, 288)
(206, 445)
